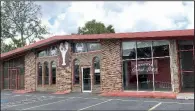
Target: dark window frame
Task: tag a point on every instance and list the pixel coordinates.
(53, 76)
(76, 70)
(96, 66)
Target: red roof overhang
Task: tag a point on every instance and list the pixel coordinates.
(153, 35)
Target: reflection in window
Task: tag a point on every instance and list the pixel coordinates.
(80, 47)
(160, 48)
(129, 75)
(39, 73)
(76, 72)
(144, 49)
(42, 53)
(129, 50)
(85, 47)
(53, 68)
(46, 69)
(96, 71)
(51, 51)
(93, 46)
(152, 66)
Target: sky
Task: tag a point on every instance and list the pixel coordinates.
(63, 17)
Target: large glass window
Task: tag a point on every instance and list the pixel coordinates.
(53, 79)
(42, 53)
(129, 50)
(129, 63)
(146, 65)
(76, 72)
(160, 48)
(161, 61)
(50, 51)
(85, 47)
(96, 71)
(39, 73)
(46, 72)
(93, 46)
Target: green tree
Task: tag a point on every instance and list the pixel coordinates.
(7, 47)
(93, 27)
(21, 23)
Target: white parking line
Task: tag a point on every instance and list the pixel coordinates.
(47, 104)
(95, 105)
(155, 106)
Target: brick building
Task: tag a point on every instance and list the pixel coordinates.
(140, 61)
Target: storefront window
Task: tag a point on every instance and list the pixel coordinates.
(129, 50)
(53, 66)
(46, 69)
(86, 47)
(93, 46)
(144, 50)
(161, 59)
(160, 48)
(42, 53)
(80, 47)
(39, 73)
(149, 69)
(96, 71)
(129, 74)
(50, 51)
(76, 72)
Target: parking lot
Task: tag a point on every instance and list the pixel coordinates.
(87, 101)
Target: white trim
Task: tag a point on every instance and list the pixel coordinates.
(90, 80)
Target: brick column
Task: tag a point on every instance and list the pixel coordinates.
(30, 72)
(111, 65)
(174, 66)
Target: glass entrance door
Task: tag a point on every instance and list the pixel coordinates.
(86, 80)
(186, 57)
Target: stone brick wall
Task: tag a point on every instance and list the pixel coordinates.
(174, 66)
(63, 78)
(86, 59)
(111, 65)
(30, 71)
(64, 75)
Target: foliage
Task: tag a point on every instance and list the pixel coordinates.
(93, 27)
(21, 23)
